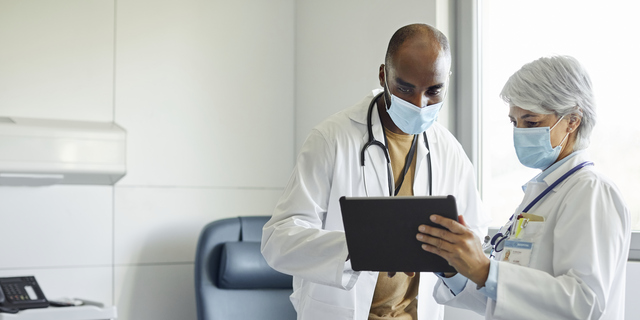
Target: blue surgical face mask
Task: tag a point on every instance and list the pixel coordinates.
(410, 118)
(533, 146)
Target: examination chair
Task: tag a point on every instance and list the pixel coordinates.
(232, 279)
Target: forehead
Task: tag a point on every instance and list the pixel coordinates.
(517, 112)
(421, 61)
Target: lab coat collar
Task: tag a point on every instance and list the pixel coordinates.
(359, 113)
(575, 159)
(420, 179)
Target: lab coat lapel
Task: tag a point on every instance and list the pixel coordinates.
(421, 178)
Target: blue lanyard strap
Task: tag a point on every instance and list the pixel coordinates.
(557, 182)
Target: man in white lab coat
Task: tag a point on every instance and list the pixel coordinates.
(305, 237)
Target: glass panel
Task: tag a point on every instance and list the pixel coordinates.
(601, 35)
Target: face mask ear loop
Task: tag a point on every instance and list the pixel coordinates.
(388, 105)
(447, 87)
(556, 123)
(563, 139)
(565, 136)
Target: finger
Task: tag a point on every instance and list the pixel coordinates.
(449, 256)
(435, 250)
(410, 274)
(450, 224)
(391, 274)
(436, 242)
(438, 233)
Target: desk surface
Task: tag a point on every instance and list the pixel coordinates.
(86, 312)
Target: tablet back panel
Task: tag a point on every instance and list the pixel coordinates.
(381, 232)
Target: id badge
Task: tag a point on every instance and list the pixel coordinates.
(517, 252)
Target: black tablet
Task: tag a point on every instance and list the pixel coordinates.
(381, 232)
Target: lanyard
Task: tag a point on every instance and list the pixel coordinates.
(501, 236)
(557, 182)
(407, 162)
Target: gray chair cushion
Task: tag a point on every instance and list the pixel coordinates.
(242, 266)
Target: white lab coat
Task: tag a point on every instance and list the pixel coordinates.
(305, 237)
(578, 264)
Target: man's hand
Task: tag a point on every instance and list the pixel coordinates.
(458, 245)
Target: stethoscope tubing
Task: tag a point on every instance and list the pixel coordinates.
(373, 142)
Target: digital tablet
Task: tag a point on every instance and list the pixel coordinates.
(381, 232)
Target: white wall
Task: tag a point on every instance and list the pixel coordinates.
(205, 92)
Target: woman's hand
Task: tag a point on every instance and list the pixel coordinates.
(458, 245)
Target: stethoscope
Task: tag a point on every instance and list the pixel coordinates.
(498, 240)
(373, 142)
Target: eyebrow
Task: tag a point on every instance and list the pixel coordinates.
(404, 83)
(407, 84)
(526, 116)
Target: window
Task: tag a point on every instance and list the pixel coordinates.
(601, 35)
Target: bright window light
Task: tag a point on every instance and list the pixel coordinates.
(602, 36)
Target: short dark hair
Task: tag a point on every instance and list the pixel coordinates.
(411, 31)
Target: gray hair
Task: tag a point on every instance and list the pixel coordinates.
(558, 85)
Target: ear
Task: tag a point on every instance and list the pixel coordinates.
(574, 122)
(381, 75)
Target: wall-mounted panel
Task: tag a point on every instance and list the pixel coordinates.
(205, 91)
(37, 152)
(57, 59)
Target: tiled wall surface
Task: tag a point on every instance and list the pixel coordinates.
(56, 60)
(205, 90)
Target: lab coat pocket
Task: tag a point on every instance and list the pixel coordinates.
(531, 231)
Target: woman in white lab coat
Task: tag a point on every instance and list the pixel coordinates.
(564, 255)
